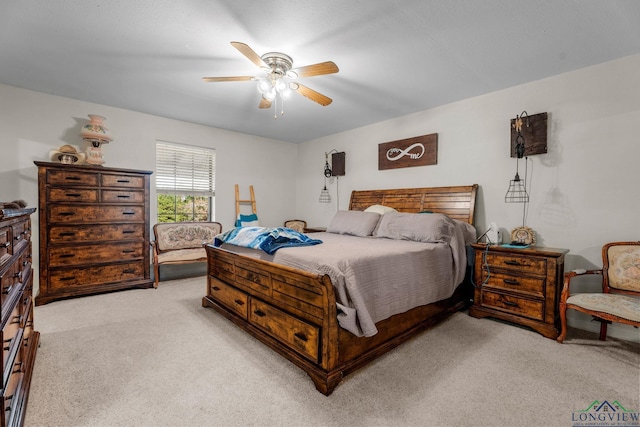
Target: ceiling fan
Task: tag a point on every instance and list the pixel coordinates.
(277, 76)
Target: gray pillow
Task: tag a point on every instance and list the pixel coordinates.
(427, 228)
(355, 223)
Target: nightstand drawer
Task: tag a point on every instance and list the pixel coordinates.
(524, 264)
(518, 306)
(533, 286)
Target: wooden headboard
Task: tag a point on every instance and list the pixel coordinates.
(456, 202)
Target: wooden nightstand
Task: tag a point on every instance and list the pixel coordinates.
(519, 285)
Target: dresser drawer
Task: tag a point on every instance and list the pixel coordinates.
(93, 233)
(126, 181)
(10, 284)
(65, 279)
(11, 336)
(89, 214)
(532, 309)
(74, 255)
(13, 389)
(296, 334)
(229, 296)
(6, 244)
(71, 178)
(122, 196)
(533, 286)
(57, 194)
(524, 264)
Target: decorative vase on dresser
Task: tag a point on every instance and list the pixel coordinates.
(94, 230)
(519, 285)
(19, 340)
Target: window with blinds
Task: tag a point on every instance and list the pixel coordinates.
(185, 182)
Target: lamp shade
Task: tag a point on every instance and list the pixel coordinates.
(325, 197)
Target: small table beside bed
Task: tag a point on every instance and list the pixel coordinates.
(380, 275)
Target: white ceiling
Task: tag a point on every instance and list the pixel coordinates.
(395, 56)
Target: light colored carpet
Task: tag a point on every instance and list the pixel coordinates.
(156, 357)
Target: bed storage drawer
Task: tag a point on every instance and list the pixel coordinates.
(229, 296)
(295, 333)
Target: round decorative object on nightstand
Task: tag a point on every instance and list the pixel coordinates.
(523, 235)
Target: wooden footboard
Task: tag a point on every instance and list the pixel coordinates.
(294, 313)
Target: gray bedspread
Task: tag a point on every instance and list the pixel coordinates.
(375, 278)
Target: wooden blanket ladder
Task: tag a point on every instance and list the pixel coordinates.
(251, 201)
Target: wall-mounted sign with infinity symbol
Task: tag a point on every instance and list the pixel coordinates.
(404, 153)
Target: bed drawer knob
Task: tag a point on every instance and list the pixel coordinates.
(239, 302)
(511, 282)
(301, 336)
(215, 288)
(259, 313)
(511, 304)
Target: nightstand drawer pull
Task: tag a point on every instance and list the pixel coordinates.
(511, 304)
(511, 282)
(511, 262)
(301, 336)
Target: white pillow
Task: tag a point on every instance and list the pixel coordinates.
(355, 223)
(381, 209)
(420, 227)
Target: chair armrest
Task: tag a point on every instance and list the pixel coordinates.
(567, 281)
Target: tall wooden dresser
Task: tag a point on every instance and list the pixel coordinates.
(19, 340)
(94, 230)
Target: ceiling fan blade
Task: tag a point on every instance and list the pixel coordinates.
(311, 94)
(264, 103)
(228, 79)
(249, 53)
(319, 69)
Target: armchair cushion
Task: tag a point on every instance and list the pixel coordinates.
(624, 267)
(618, 305)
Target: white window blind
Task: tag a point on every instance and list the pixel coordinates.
(185, 169)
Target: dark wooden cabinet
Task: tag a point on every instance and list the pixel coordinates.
(520, 285)
(94, 230)
(19, 339)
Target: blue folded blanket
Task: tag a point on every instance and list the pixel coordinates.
(264, 238)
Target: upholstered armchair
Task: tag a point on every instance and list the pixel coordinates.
(620, 298)
(296, 224)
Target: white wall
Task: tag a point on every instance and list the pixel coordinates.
(584, 191)
(32, 124)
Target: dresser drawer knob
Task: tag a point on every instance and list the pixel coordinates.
(129, 271)
(239, 302)
(68, 278)
(123, 196)
(67, 213)
(511, 282)
(259, 313)
(128, 213)
(18, 237)
(67, 255)
(301, 336)
(67, 234)
(72, 178)
(128, 231)
(7, 290)
(124, 181)
(73, 194)
(18, 275)
(127, 251)
(6, 244)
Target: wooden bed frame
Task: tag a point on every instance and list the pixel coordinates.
(294, 312)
